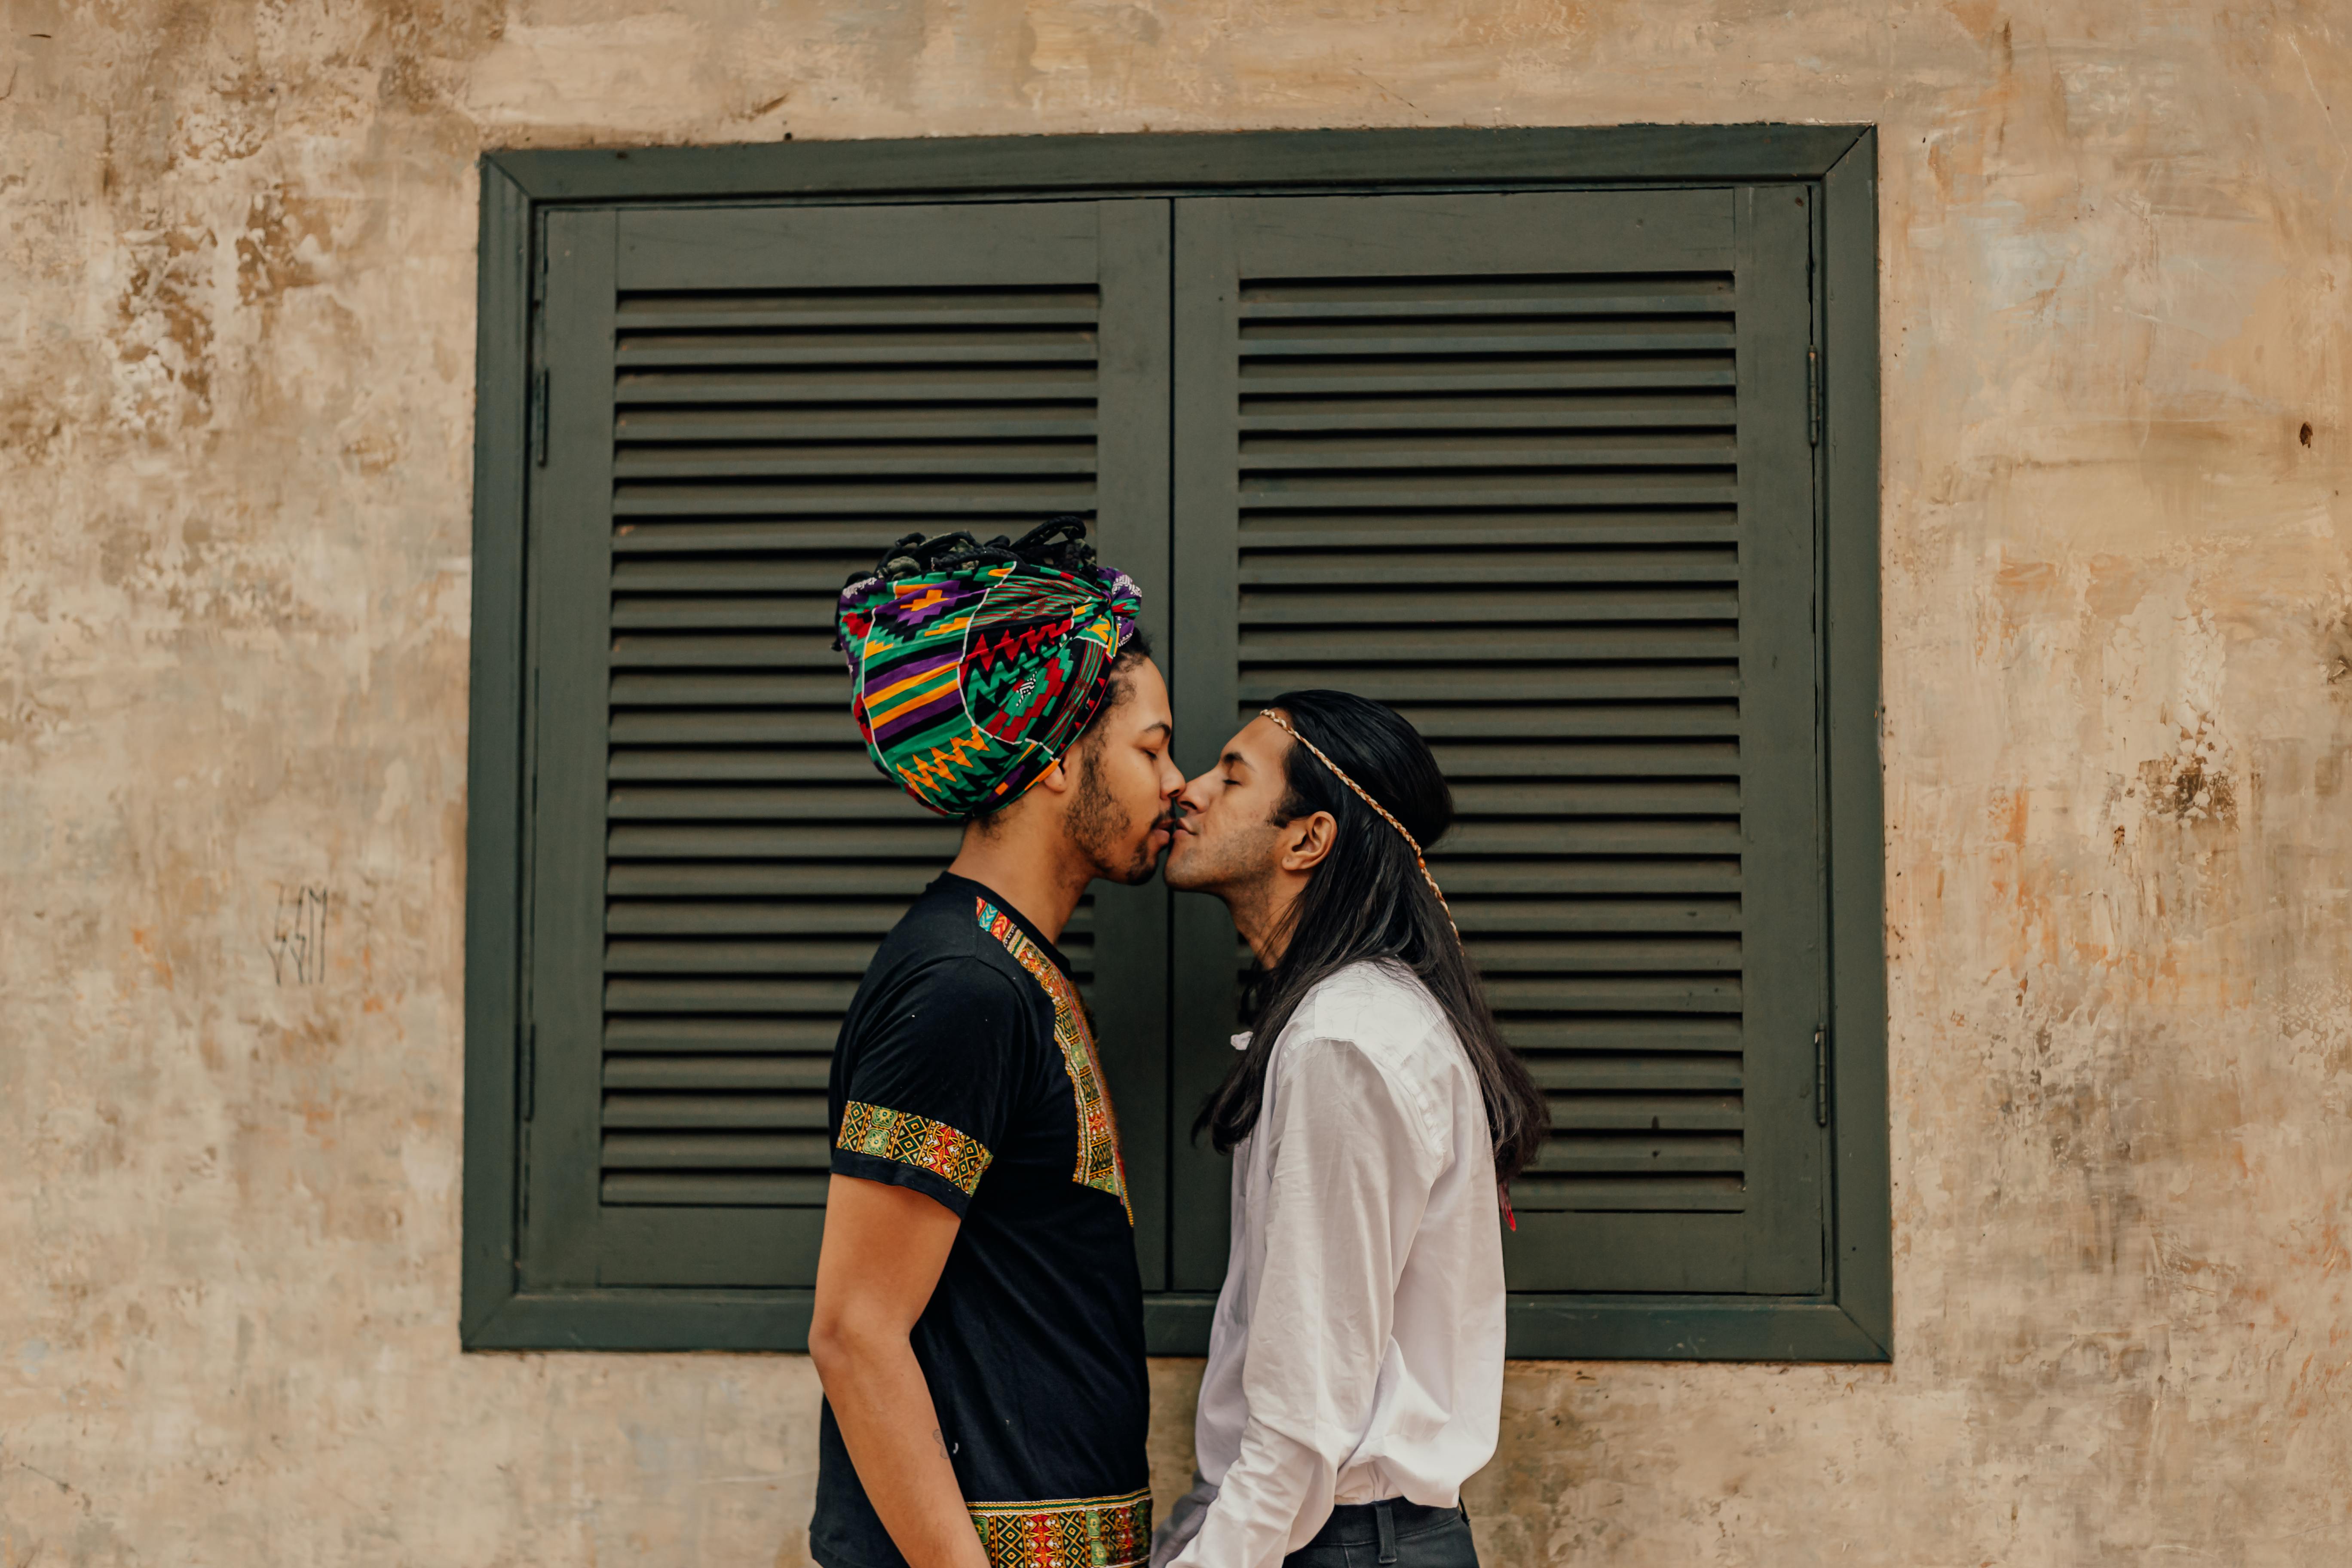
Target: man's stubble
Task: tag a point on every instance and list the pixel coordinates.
(1237, 867)
(1100, 826)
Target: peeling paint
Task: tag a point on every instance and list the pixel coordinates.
(235, 370)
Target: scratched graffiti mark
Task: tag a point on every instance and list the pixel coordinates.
(298, 934)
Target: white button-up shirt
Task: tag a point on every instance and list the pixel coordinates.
(1357, 1352)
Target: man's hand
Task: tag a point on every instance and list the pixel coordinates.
(883, 1248)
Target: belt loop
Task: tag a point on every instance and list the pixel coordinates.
(1385, 1517)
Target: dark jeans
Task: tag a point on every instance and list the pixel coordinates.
(1391, 1534)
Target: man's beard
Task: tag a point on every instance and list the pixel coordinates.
(1100, 826)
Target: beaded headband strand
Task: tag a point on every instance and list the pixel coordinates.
(1366, 796)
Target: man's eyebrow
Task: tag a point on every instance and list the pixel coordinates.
(1162, 727)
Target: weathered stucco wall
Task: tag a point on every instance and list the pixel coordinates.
(235, 301)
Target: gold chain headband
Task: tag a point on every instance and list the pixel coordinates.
(1366, 796)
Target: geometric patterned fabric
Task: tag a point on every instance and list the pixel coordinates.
(956, 1158)
(1073, 1532)
(970, 681)
(1099, 1163)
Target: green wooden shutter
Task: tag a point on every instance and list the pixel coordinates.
(1536, 469)
(743, 406)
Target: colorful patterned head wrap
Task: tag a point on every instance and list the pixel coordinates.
(973, 667)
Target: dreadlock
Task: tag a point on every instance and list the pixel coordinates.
(1059, 542)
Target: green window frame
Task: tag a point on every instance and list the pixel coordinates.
(1255, 244)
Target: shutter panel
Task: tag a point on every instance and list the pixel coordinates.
(748, 405)
(1535, 470)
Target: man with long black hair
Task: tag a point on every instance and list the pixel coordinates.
(979, 1316)
(1375, 1118)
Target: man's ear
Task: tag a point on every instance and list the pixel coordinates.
(1307, 841)
(1057, 779)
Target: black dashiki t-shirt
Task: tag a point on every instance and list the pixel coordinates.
(966, 1069)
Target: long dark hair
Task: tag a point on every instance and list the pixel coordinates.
(1368, 901)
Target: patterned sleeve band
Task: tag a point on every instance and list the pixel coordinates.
(956, 1158)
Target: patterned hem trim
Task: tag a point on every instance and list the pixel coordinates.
(956, 1158)
(1066, 1532)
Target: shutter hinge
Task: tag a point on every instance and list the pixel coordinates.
(1820, 1077)
(528, 1091)
(538, 418)
(1813, 396)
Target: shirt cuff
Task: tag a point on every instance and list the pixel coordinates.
(900, 1149)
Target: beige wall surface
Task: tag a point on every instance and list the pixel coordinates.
(235, 370)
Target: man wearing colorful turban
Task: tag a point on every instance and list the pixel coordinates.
(973, 667)
(979, 1316)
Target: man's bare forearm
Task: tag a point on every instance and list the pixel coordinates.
(884, 1247)
(888, 1422)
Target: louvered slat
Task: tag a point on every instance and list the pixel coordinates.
(766, 444)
